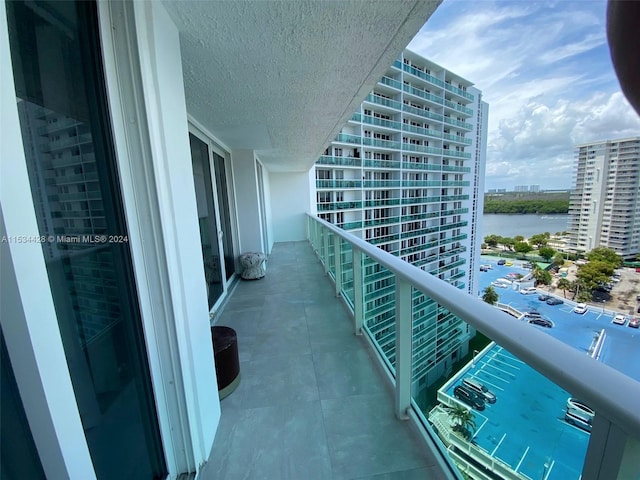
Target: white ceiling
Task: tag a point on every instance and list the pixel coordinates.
(282, 77)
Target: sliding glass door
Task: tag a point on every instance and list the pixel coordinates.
(214, 216)
(73, 175)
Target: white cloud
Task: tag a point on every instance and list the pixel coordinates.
(544, 69)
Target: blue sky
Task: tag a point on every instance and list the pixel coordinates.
(544, 68)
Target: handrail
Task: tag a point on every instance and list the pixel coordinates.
(610, 393)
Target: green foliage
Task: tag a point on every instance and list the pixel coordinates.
(558, 259)
(525, 206)
(564, 285)
(604, 254)
(539, 239)
(463, 421)
(492, 240)
(542, 276)
(490, 295)
(594, 273)
(519, 238)
(507, 242)
(522, 247)
(546, 252)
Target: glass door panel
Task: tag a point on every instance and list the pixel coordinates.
(225, 216)
(55, 50)
(209, 231)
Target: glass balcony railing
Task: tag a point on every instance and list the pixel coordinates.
(339, 183)
(423, 131)
(380, 122)
(342, 161)
(456, 138)
(387, 102)
(417, 323)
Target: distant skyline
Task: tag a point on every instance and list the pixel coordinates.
(545, 70)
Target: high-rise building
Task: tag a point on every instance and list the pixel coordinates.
(604, 207)
(406, 174)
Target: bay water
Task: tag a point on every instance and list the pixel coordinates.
(525, 225)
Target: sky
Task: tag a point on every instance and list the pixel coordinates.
(545, 70)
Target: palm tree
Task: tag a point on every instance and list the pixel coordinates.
(463, 421)
(490, 295)
(564, 285)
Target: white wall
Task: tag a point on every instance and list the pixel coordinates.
(247, 200)
(289, 204)
(162, 79)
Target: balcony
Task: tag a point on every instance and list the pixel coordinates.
(312, 403)
(350, 262)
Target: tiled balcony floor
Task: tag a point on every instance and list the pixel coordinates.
(311, 404)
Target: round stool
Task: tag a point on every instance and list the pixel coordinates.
(252, 265)
(225, 351)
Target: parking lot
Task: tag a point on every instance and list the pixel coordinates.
(622, 296)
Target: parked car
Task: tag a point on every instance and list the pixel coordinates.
(488, 266)
(543, 297)
(532, 313)
(469, 397)
(580, 308)
(580, 409)
(541, 322)
(554, 301)
(528, 291)
(483, 268)
(634, 322)
(578, 421)
(502, 261)
(479, 388)
(619, 319)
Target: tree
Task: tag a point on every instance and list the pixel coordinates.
(507, 242)
(491, 240)
(564, 285)
(539, 240)
(490, 295)
(522, 247)
(463, 421)
(546, 253)
(558, 259)
(594, 274)
(519, 238)
(604, 254)
(541, 276)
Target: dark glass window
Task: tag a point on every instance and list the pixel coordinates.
(61, 99)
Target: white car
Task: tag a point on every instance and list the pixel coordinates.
(580, 308)
(488, 266)
(619, 319)
(528, 291)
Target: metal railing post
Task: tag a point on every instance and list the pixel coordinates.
(325, 250)
(612, 453)
(403, 348)
(358, 292)
(337, 263)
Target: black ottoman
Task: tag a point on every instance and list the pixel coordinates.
(225, 351)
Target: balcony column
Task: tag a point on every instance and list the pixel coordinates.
(612, 453)
(404, 323)
(358, 292)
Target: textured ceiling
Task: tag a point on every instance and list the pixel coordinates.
(282, 77)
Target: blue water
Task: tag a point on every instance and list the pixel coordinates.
(525, 225)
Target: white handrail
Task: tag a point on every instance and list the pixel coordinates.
(610, 393)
